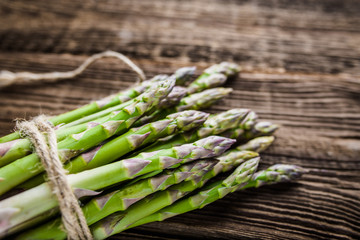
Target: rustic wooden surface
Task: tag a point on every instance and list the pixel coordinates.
(301, 64)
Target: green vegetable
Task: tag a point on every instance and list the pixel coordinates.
(215, 124)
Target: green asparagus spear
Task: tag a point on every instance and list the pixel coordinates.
(23, 169)
(202, 99)
(226, 68)
(214, 76)
(131, 140)
(259, 129)
(183, 75)
(215, 124)
(196, 101)
(258, 144)
(173, 98)
(211, 81)
(274, 174)
(120, 221)
(21, 208)
(119, 200)
(262, 128)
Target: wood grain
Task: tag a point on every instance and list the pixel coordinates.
(301, 64)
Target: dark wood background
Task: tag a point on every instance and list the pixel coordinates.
(301, 64)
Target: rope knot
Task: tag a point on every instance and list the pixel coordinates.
(43, 137)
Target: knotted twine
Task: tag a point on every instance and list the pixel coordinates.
(42, 136)
(45, 145)
(8, 78)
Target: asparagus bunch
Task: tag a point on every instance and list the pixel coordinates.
(162, 173)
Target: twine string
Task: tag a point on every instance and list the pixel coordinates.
(46, 148)
(8, 78)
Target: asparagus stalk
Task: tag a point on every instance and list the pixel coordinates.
(131, 140)
(21, 208)
(182, 75)
(262, 128)
(173, 98)
(211, 81)
(258, 144)
(215, 124)
(214, 76)
(196, 101)
(23, 169)
(120, 221)
(259, 129)
(201, 100)
(274, 174)
(120, 200)
(226, 68)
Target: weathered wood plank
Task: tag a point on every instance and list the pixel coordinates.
(265, 34)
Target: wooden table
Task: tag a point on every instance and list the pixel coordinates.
(301, 64)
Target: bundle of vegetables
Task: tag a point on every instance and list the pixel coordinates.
(144, 154)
